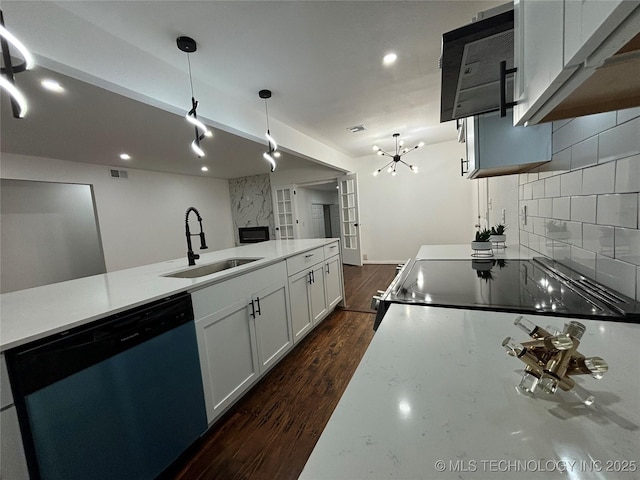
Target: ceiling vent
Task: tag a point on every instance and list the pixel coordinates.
(357, 128)
(118, 173)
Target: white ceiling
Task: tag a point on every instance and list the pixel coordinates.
(321, 59)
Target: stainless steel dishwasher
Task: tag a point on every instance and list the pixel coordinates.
(121, 398)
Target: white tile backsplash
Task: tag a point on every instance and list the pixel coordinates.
(589, 213)
(627, 243)
(583, 261)
(598, 239)
(619, 142)
(538, 189)
(628, 174)
(628, 114)
(620, 210)
(571, 183)
(562, 208)
(585, 153)
(552, 186)
(545, 207)
(599, 179)
(583, 209)
(615, 274)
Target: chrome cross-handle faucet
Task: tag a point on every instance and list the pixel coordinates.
(192, 257)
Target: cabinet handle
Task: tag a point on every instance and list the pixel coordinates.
(253, 310)
(462, 170)
(504, 71)
(309, 274)
(258, 311)
(309, 255)
(328, 269)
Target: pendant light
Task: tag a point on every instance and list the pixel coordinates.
(397, 157)
(271, 154)
(188, 45)
(7, 81)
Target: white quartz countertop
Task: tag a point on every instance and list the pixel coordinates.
(464, 251)
(35, 313)
(434, 398)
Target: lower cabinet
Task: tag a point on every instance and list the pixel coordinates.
(300, 305)
(314, 293)
(318, 293)
(333, 281)
(272, 325)
(244, 338)
(246, 324)
(228, 356)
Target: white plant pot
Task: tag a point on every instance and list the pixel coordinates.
(498, 238)
(481, 245)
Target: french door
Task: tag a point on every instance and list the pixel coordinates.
(284, 212)
(349, 219)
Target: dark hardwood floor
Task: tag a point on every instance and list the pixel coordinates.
(270, 433)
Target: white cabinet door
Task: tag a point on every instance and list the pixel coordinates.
(228, 356)
(588, 23)
(538, 55)
(273, 326)
(333, 281)
(317, 293)
(300, 304)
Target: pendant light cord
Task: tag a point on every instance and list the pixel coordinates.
(266, 109)
(190, 79)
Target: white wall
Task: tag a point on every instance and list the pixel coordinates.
(304, 199)
(399, 214)
(141, 219)
(496, 194)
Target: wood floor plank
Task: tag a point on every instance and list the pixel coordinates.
(270, 433)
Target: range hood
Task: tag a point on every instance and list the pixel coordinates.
(470, 63)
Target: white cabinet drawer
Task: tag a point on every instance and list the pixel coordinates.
(301, 261)
(220, 295)
(331, 250)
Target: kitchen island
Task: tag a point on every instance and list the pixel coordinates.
(35, 313)
(167, 348)
(435, 398)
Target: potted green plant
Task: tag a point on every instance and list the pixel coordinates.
(497, 233)
(482, 243)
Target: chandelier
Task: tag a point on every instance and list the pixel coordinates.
(397, 157)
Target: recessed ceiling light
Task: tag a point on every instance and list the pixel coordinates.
(125, 156)
(205, 169)
(389, 59)
(52, 85)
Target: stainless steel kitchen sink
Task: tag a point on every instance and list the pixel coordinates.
(208, 269)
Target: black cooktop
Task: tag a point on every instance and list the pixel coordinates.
(539, 286)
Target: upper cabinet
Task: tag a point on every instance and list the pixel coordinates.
(575, 57)
(495, 147)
